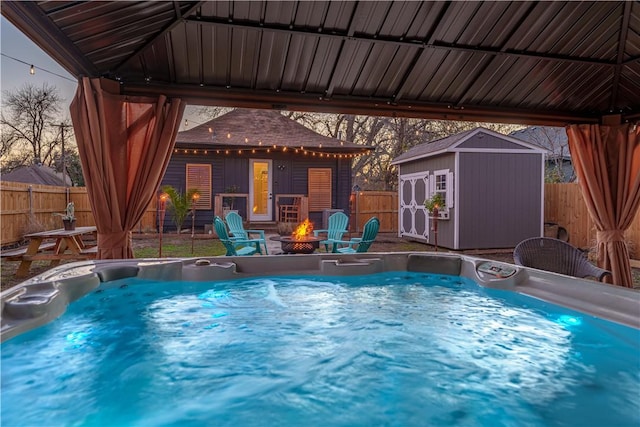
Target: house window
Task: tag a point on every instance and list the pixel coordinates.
(442, 183)
(199, 178)
(319, 189)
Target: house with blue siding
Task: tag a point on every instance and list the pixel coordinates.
(261, 163)
(492, 185)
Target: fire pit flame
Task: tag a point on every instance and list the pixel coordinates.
(301, 240)
(303, 230)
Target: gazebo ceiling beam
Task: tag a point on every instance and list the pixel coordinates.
(419, 44)
(624, 28)
(178, 19)
(246, 98)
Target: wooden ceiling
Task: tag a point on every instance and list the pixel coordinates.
(549, 63)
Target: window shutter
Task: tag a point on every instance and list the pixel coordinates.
(432, 185)
(450, 198)
(319, 189)
(199, 178)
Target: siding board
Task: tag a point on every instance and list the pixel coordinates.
(499, 201)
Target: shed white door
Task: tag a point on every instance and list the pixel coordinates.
(414, 218)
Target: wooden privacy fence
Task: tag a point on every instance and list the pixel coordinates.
(27, 208)
(564, 205)
(382, 204)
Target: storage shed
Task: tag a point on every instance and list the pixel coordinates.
(493, 186)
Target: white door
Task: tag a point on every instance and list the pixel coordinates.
(260, 193)
(413, 216)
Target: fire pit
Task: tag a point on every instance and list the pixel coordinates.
(305, 245)
(300, 241)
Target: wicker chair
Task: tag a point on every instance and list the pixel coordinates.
(545, 253)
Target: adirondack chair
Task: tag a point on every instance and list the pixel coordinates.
(235, 247)
(234, 221)
(359, 244)
(337, 226)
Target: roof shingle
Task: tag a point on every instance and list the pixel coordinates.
(261, 128)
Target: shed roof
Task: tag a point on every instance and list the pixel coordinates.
(535, 62)
(34, 174)
(261, 128)
(451, 143)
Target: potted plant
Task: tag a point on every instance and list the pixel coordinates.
(434, 204)
(68, 217)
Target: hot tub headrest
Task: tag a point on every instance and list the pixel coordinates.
(438, 264)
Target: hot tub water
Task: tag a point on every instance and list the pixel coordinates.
(388, 349)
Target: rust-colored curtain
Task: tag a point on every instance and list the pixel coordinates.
(607, 162)
(125, 144)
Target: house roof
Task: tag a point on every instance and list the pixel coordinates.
(553, 139)
(451, 143)
(261, 128)
(35, 174)
(534, 62)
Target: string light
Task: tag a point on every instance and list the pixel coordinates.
(268, 150)
(283, 149)
(32, 68)
(274, 147)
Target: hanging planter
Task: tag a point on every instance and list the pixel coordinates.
(433, 204)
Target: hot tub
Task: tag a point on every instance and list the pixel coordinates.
(366, 339)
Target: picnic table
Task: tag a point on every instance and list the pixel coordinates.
(66, 245)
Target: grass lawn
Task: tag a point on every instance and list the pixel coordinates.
(177, 247)
(180, 246)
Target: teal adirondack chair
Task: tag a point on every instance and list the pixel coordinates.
(336, 227)
(359, 244)
(234, 221)
(235, 247)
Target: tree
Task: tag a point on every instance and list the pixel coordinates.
(73, 166)
(388, 137)
(28, 135)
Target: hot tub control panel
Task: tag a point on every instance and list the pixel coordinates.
(498, 270)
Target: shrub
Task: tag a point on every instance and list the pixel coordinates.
(179, 204)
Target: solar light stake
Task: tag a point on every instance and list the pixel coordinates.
(163, 202)
(194, 200)
(435, 226)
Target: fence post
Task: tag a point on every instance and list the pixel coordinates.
(30, 190)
